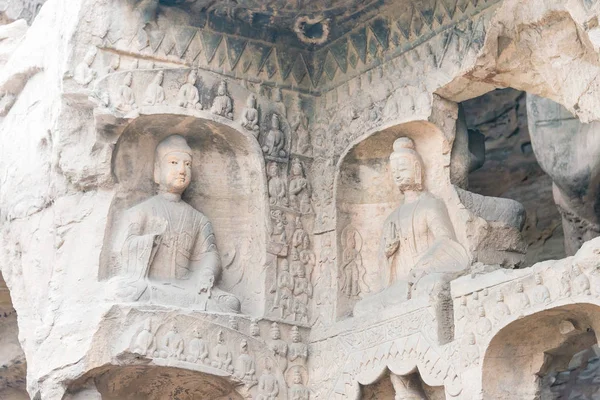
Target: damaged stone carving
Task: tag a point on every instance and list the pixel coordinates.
(418, 243)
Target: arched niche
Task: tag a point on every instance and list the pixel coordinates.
(366, 195)
(141, 382)
(521, 352)
(228, 186)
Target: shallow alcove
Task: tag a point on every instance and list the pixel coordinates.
(412, 384)
(366, 195)
(228, 186)
(507, 167)
(523, 352)
(150, 382)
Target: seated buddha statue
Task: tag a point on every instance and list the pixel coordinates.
(169, 253)
(419, 251)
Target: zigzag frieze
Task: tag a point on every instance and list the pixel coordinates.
(366, 46)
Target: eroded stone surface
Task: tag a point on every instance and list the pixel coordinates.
(307, 135)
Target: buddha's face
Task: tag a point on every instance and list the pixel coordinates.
(192, 78)
(222, 89)
(275, 122)
(296, 169)
(404, 173)
(175, 172)
(297, 378)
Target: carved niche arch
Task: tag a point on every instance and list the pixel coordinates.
(137, 108)
(365, 195)
(228, 186)
(522, 351)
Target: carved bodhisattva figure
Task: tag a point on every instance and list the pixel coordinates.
(419, 249)
(84, 74)
(125, 95)
(274, 142)
(250, 115)
(169, 254)
(188, 95)
(155, 94)
(222, 104)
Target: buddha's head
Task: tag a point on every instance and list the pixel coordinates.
(173, 165)
(297, 168)
(275, 332)
(128, 79)
(158, 79)
(90, 56)
(275, 122)
(254, 329)
(406, 165)
(272, 169)
(251, 102)
(296, 334)
(244, 347)
(192, 77)
(284, 265)
(297, 377)
(222, 88)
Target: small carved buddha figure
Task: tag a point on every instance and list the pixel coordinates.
(283, 292)
(501, 310)
(277, 186)
(419, 248)
(299, 233)
(172, 345)
(298, 351)
(299, 125)
(115, 63)
(326, 262)
(222, 104)
(245, 369)
(254, 329)
(188, 95)
(84, 74)
(250, 115)
(300, 191)
(522, 300)
(268, 387)
(278, 234)
(470, 354)
(155, 94)
(197, 349)
(298, 391)
(353, 271)
(274, 142)
(278, 346)
(302, 292)
(169, 254)
(484, 325)
(581, 283)
(308, 258)
(126, 97)
(221, 359)
(145, 343)
(540, 293)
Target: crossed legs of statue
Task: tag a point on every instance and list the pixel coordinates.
(407, 387)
